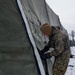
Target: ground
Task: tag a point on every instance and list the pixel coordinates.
(71, 65)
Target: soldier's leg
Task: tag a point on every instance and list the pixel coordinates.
(59, 68)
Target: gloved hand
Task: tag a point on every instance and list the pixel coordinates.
(45, 56)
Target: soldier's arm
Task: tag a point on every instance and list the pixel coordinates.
(58, 46)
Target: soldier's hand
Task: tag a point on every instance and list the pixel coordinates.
(45, 56)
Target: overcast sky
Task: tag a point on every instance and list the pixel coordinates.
(65, 9)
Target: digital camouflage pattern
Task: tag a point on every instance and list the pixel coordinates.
(60, 43)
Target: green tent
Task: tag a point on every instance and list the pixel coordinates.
(20, 36)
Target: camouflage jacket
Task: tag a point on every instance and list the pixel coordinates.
(59, 41)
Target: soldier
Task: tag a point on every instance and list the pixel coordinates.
(60, 42)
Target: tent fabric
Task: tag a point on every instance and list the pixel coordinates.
(16, 52)
(53, 18)
(36, 53)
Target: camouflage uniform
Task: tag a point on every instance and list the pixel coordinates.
(60, 43)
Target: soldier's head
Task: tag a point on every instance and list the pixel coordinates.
(46, 29)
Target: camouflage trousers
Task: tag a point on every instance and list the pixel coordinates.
(61, 64)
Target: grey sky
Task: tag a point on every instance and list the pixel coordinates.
(65, 9)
